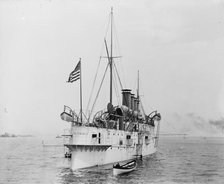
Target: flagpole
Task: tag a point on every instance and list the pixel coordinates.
(80, 89)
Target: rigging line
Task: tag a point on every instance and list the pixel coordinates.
(134, 84)
(108, 24)
(116, 89)
(142, 89)
(152, 109)
(98, 92)
(85, 117)
(79, 115)
(118, 76)
(90, 97)
(119, 53)
(116, 37)
(107, 27)
(123, 71)
(142, 105)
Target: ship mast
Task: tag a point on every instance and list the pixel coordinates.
(138, 92)
(111, 57)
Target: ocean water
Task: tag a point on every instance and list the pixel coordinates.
(178, 160)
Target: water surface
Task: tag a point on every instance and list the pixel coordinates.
(178, 160)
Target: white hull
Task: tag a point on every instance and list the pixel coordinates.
(121, 171)
(85, 159)
(107, 148)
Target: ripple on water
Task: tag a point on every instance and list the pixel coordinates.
(177, 161)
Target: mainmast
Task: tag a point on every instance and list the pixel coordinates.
(111, 57)
(138, 92)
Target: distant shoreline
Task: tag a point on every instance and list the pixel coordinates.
(13, 135)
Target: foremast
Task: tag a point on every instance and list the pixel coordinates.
(111, 58)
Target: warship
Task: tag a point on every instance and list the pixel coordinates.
(115, 134)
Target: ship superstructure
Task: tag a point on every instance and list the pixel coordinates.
(118, 133)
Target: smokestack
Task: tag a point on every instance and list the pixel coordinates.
(135, 104)
(126, 100)
(132, 101)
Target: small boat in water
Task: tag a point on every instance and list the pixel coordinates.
(126, 168)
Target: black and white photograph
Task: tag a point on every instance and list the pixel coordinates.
(111, 91)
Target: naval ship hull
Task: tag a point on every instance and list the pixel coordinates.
(91, 146)
(117, 133)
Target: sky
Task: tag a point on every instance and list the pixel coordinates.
(176, 45)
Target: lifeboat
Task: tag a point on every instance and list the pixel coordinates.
(67, 114)
(126, 168)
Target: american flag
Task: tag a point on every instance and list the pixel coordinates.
(75, 74)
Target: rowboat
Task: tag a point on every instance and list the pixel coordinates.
(126, 168)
